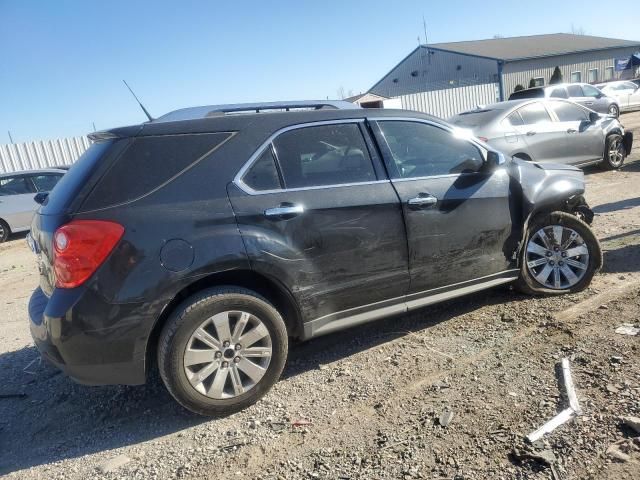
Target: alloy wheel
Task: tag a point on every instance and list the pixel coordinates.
(557, 257)
(228, 354)
(613, 110)
(616, 152)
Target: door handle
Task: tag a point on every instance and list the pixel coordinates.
(531, 133)
(284, 211)
(421, 201)
(572, 130)
(588, 103)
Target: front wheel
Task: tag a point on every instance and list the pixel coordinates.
(560, 255)
(614, 152)
(222, 350)
(4, 231)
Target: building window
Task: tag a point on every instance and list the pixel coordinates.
(592, 75)
(608, 73)
(538, 81)
(576, 77)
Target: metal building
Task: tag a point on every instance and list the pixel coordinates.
(446, 78)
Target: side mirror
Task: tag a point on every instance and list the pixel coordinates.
(593, 117)
(495, 158)
(40, 197)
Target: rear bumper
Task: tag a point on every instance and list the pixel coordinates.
(93, 342)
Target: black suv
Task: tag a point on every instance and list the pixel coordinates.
(208, 238)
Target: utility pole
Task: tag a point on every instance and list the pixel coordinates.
(94, 126)
(10, 137)
(424, 25)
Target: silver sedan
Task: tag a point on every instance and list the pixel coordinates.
(549, 130)
(17, 192)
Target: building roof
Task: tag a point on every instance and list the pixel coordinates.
(533, 46)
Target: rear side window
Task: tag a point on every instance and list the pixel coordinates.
(574, 91)
(514, 119)
(323, 155)
(559, 93)
(534, 113)
(567, 112)
(15, 186)
(263, 174)
(148, 163)
(45, 183)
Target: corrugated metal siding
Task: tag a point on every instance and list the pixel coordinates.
(521, 72)
(41, 154)
(446, 103)
(435, 71)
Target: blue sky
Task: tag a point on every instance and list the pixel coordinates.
(63, 62)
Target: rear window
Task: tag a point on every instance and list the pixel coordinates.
(474, 118)
(147, 164)
(529, 93)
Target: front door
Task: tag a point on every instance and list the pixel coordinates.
(457, 210)
(317, 214)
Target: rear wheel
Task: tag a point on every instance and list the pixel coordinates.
(560, 255)
(614, 152)
(5, 231)
(614, 110)
(222, 350)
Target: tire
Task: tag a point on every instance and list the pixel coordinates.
(5, 231)
(181, 344)
(538, 264)
(614, 110)
(614, 152)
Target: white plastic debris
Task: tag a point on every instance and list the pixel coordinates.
(565, 415)
(627, 329)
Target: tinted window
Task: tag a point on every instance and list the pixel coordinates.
(475, 117)
(422, 150)
(574, 91)
(148, 163)
(590, 91)
(45, 183)
(323, 155)
(529, 93)
(567, 112)
(534, 113)
(559, 93)
(515, 119)
(263, 174)
(15, 186)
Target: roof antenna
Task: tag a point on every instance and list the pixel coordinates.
(139, 102)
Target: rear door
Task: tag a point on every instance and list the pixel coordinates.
(317, 213)
(544, 137)
(584, 139)
(16, 201)
(457, 211)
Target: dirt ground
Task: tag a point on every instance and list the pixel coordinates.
(367, 403)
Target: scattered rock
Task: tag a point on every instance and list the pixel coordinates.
(632, 422)
(445, 418)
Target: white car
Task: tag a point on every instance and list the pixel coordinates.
(625, 92)
(17, 192)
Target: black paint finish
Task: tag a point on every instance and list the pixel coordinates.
(353, 250)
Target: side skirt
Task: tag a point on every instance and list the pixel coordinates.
(356, 316)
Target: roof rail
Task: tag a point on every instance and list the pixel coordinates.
(237, 108)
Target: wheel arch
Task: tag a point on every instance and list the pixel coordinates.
(269, 288)
(523, 155)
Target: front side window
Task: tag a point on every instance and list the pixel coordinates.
(45, 183)
(534, 113)
(568, 112)
(423, 150)
(576, 77)
(324, 155)
(590, 91)
(14, 186)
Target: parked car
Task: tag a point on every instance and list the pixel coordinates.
(551, 130)
(582, 93)
(626, 93)
(205, 239)
(17, 191)
(636, 81)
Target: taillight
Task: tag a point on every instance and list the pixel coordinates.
(80, 247)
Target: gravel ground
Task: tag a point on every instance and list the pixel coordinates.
(449, 391)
